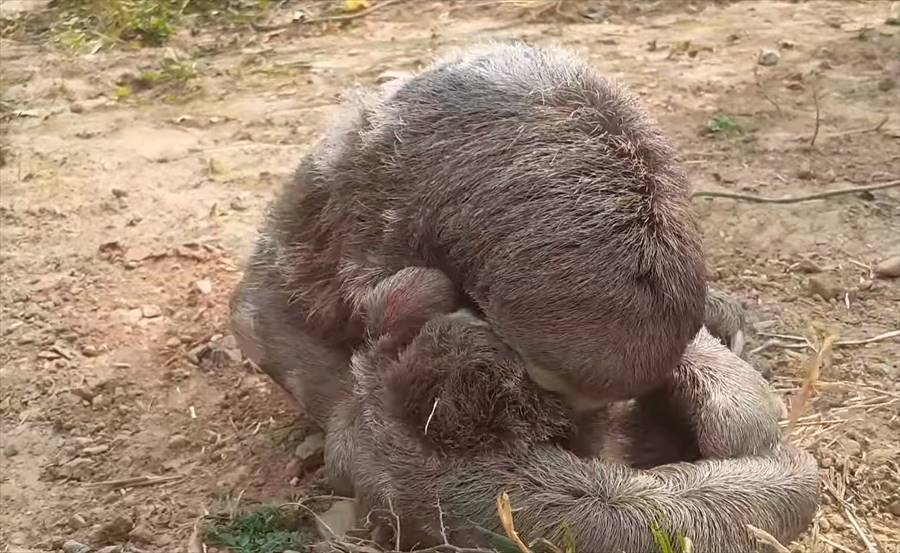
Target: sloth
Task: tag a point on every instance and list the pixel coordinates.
(445, 419)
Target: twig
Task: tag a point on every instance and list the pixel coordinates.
(836, 545)
(195, 542)
(840, 343)
(430, 416)
(796, 199)
(762, 91)
(135, 482)
(867, 130)
(878, 338)
(815, 135)
(767, 538)
(397, 522)
(851, 518)
(328, 18)
(782, 336)
(504, 510)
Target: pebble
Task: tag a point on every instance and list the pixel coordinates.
(881, 456)
(204, 286)
(769, 58)
(178, 441)
(75, 547)
(888, 268)
(141, 534)
(820, 287)
(150, 311)
(98, 401)
(293, 467)
(807, 266)
(894, 508)
(76, 107)
(115, 531)
(95, 450)
(173, 342)
(851, 447)
(89, 351)
(310, 451)
(84, 393)
(339, 519)
(10, 451)
(77, 522)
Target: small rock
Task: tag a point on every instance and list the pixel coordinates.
(95, 450)
(220, 356)
(10, 451)
(851, 447)
(115, 531)
(178, 441)
(894, 508)
(887, 84)
(806, 173)
(150, 311)
(238, 204)
(787, 44)
(79, 468)
(84, 393)
(89, 351)
(76, 107)
(310, 451)
(822, 288)
(77, 522)
(75, 547)
(98, 401)
(204, 286)
(141, 534)
(881, 456)
(888, 268)
(293, 467)
(807, 266)
(835, 521)
(339, 519)
(173, 342)
(769, 58)
(118, 193)
(824, 525)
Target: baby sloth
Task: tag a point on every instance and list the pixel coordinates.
(445, 419)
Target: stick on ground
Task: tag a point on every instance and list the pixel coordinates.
(795, 199)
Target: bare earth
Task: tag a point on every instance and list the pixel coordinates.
(125, 222)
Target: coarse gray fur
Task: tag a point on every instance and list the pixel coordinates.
(446, 420)
(541, 188)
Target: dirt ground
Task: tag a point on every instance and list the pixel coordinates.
(126, 216)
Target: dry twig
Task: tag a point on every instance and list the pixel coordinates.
(811, 369)
(762, 91)
(504, 509)
(764, 537)
(328, 18)
(136, 482)
(867, 130)
(195, 542)
(796, 199)
(815, 135)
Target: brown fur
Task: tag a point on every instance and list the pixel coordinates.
(449, 420)
(540, 188)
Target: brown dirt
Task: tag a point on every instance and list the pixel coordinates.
(125, 223)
